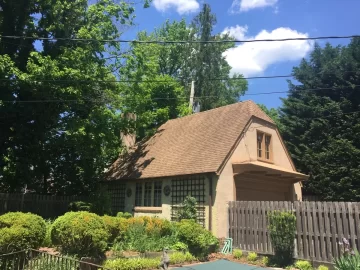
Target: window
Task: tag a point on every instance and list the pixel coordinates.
(264, 149)
(157, 194)
(151, 196)
(138, 194)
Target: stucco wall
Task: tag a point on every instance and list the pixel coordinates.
(246, 151)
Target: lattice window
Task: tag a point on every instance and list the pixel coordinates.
(157, 194)
(117, 195)
(138, 194)
(147, 195)
(193, 186)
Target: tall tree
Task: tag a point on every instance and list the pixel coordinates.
(59, 117)
(321, 128)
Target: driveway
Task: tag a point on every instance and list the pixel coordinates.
(220, 265)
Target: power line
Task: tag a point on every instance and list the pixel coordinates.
(178, 41)
(168, 98)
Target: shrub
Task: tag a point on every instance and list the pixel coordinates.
(101, 201)
(348, 261)
(200, 241)
(180, 246)
(80, 233)
(188, 209)
(132, 264)
(123, 215)
(80, 206)
(323, 267)
(180, 257)
(303, 265)
(252, 257)
(282, 227)
(237, 253)
(20, 231)
(112, 226)
(265, 261)
(47, 240)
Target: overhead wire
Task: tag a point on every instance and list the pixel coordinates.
(177, 41)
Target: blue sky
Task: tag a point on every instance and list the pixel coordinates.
(248, 19)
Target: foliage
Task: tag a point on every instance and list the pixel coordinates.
(19, 231)
(80, 233)
(44, 263)
(123, 215)
(188, 209)
(282, 227)
(200, 241)
(274, 114)
(60, 147)
(101, 201)
(181, 257)
(237, 253)
(350, 259)
(303, 265)
(265, 261)
(146, 263)
(329, 157)
(179, 246)
(322, 267)
(112, 225)
(252, 257)
(80, 206)
(47, 240)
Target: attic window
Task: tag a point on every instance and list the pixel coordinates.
(264, 146)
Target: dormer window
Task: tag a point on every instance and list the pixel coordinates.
(264, 147)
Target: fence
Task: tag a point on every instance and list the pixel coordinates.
(47, 206)
(319, 227)
(37, 260)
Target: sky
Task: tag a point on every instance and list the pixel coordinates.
(262, 19)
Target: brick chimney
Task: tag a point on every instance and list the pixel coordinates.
(129, 139)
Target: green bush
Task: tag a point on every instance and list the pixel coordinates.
(323, 267)
(47, 241)
(348, 261)
(80, 233)
(200, 241)
(112, 226)
(20, 231)
(180, 257)
(101, 201)
(188, 209)
(124, 215)
(179, 246)
(252, 257)
(80, 206)
(303, 265)
(265, 261)
(237, 253)
(282, 227)
(132, 264)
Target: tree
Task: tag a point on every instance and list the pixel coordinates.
(273, 114)
(322, 126)
(59, 117)
(188, 209)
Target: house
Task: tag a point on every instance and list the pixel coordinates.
(229, 153)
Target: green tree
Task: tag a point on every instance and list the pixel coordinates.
(321, 127)
(273, 113)
(62, 142)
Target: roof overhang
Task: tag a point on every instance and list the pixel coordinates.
(269, 171)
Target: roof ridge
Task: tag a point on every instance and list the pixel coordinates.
(211, 110)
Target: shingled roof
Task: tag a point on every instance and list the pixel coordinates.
(198, 143)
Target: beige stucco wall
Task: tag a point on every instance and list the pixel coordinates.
(246, 151)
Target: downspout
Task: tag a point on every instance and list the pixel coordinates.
(210, 201)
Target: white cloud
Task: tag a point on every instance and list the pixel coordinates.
(245, 5)
(254, 58)
(181, 6)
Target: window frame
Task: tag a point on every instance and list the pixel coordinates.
(148, 199)
(263, 148)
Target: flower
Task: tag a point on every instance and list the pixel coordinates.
(346, 242)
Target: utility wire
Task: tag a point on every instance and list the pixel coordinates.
(171, 98)
(178, 41)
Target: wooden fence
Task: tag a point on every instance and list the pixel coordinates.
(47, 206)
(319, 227)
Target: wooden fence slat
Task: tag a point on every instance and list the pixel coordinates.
(345, 221)
(321, 213)
(349, 207)
(315, 220)
(238, 225)
(305, 231)
(334, 240)
(300, 250)
(327, 232)
(340, 232)
(357, 222)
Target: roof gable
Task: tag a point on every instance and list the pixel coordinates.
(198, 143)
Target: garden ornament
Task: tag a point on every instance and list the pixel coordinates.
(165, 260)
